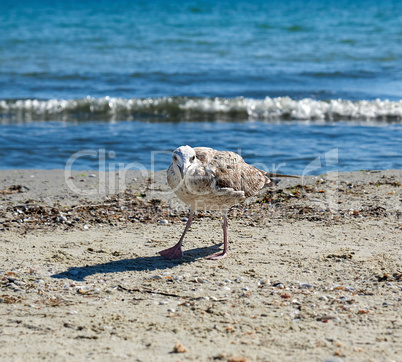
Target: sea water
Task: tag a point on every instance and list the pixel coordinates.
(284, 83)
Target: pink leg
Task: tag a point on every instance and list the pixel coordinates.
(175, 252)
(224, 253)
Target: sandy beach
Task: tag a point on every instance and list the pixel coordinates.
(314, 271)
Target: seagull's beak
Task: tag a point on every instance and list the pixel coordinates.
(184, 168)
(181, 171)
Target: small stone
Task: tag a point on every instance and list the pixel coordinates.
(305, 286)
(236, 359)
(323, 297)
(263, 282)
(163, 222)
(179, 348)
(157, 277)
(83, 290)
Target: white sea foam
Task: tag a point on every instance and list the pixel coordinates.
(281, 108)
(305, 109)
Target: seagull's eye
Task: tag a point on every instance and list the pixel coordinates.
(192, 158)
(175, 158)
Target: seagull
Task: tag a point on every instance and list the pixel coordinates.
(207, 179)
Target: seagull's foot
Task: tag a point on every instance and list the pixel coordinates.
(217, 256)
(174, 252)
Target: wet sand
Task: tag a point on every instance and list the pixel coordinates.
(314, 271)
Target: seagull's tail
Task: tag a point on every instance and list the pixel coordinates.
(271, 176)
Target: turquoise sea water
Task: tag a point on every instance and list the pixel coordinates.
(280, 82)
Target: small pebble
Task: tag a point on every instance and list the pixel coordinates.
(83, 290)
(157, 277)
(163, 222)
(179, 348)
(323, 297)
(171, 310)
(305, 286)
(263, 282)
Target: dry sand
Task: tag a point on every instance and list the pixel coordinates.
(314, 271)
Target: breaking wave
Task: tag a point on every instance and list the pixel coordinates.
(198, 109)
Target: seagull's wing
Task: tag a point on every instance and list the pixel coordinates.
(227, 170)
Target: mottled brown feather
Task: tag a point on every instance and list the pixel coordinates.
(229, 170)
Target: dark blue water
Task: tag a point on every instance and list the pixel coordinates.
(326, 49)
(286, 146)
(295, 79)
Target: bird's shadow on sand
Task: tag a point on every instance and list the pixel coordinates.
(137, 264)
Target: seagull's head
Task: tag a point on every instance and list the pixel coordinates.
(183, 159)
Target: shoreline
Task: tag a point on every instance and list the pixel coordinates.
(314, 271)
(95, 185)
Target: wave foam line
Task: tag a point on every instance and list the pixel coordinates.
(281, 108)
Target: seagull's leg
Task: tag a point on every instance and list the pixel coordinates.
(224, 253)
(175, 252)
